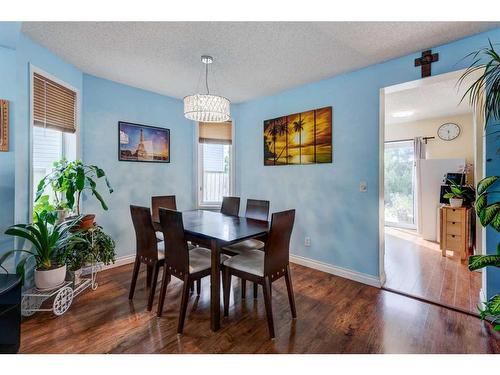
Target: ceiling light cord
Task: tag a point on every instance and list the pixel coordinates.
(206, 78)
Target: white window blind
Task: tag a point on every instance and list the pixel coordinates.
(54, 106)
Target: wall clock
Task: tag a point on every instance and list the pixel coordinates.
(448, 131)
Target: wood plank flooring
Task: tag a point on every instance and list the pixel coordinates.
(335, 315)
(416, 267)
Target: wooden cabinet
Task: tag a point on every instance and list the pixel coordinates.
(456, 230)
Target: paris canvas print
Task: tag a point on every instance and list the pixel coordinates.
(299, 138)
(143, 143)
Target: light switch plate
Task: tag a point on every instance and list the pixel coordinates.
(307, 241)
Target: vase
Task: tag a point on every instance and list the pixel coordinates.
(50, 279)
(456, 202)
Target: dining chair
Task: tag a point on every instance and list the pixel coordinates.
(258, 210)
(265, 267)
(230, 206)
(149, 251)
(187, 265)
(165, 201)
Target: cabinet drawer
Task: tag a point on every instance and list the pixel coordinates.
(454, 242)
(453, 227)
(454, 215)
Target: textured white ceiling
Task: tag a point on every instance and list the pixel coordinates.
(434, 100)
(252, 59)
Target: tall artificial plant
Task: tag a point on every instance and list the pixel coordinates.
(484, 95)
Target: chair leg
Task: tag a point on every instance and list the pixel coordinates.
(149, 275)
(243, 289)
(289, 288)
(135, 273)
(184, 303)
(191, 286)
(255, 286)
(226, 278)
(156, 268)
(164, 283)
(198, 286)
(266, 287)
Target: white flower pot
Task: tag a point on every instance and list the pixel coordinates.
(78, 276)
(456, 202)
(61, 215)
(50, 279)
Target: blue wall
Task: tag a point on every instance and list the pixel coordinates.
(7, 171)
(29, 52)
(341, 221)
(104, 104)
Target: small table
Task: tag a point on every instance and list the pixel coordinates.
(215, 230)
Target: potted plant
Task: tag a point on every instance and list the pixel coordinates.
(94, 246)
(487, 61)
(456, 195)
(69, 180)
(49, 243)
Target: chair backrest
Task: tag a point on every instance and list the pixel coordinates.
(176, 248)
(277, 247)
(145, 236)
(165, 201)
(257, 209)
(230, 206)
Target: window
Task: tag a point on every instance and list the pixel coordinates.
(54, 126)
(214, 163)
(399, 176)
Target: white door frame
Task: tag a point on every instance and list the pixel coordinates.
(479, 160)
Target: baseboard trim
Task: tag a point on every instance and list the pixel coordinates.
(337, 271)
(120, 261)
(311, 263)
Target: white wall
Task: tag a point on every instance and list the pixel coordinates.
(459, 148)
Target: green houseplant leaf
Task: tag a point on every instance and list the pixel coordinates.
(488, 213)
(480, 261)
(485, 183)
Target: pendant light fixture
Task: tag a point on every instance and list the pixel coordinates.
(207, 107)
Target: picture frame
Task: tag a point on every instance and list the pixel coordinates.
(4, 125)
(299, 138)
(143, 143)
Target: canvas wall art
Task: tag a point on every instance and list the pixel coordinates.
(300, 138)
(143, 143)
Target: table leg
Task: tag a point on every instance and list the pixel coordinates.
(215, 286)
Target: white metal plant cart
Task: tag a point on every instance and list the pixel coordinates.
(63, 295)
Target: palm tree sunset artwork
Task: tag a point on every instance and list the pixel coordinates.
(300, 138)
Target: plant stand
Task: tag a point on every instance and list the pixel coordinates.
(62, 296)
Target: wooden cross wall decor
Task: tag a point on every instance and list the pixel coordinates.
(425, 62)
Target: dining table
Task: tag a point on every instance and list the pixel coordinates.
(215, 230)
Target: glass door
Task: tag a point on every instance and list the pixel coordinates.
(399, 184)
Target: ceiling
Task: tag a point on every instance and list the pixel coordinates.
(252, 59)
(432, 100)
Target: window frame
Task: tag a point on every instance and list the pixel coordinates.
(198, 170)
(32, 70)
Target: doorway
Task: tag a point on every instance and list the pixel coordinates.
(427, 136)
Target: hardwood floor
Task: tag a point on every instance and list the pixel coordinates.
(416, 267)
(335, 315)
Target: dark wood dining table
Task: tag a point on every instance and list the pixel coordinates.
(214, 230)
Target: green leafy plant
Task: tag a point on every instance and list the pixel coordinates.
(49, 243)
(94, 246)
(487, 61)
(69, 179)
(44, 210)
(457, 192)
